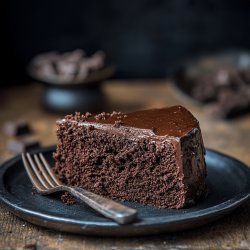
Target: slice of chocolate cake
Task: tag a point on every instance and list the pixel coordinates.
(154, 157)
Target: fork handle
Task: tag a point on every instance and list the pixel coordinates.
(107, 207)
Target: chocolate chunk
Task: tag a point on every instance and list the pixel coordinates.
(30, 247)
(16, 128)
(227, 91)
(23, 144)
(67, 67)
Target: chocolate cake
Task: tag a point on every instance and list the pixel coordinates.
(153, 157)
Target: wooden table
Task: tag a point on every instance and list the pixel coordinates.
(231, 137)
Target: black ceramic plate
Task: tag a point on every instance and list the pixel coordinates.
(228, 181)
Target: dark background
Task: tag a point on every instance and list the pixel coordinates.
(143, 38)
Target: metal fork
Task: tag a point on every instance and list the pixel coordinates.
(45, 182)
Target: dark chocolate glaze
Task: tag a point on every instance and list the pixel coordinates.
(173, 121)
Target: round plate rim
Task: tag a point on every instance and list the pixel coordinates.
(40, 218)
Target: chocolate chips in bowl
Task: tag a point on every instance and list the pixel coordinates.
(220, 82)
(71, 80)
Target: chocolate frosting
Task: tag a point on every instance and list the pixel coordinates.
(173, 121)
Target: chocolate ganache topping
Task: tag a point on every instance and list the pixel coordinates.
(174, 121)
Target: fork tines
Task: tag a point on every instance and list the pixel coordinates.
(39, 172)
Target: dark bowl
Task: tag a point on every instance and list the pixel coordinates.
(81, 95)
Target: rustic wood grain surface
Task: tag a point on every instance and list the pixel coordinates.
(230, 137)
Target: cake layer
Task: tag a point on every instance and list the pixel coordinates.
(154, 157)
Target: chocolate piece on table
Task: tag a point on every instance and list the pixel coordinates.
(16, 128)
(23, 144)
